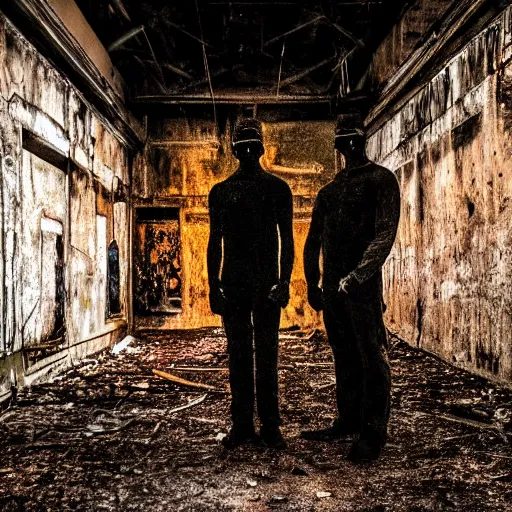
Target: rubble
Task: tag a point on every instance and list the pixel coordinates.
(112, 436)
(125, 345)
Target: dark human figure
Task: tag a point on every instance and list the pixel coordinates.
(354, 223)
(250, 213)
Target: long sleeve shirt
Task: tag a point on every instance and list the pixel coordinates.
(354, 223)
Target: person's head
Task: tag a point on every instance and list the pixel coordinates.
(247, 140)
(350, 137)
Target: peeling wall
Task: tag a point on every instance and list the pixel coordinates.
(405, 37)
(185, 158)
(65, 197)
(448, 279)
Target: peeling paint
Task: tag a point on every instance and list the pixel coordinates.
(447, 281)
(53, 242)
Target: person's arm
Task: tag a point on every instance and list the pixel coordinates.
(214, 253)
(387, 216)
(312, 255)
(280, 292)
(285, 224)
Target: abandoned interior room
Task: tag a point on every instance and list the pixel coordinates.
(117, 119)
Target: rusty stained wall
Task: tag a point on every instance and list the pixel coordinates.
(404, 38)
(184, 159)
(40, 201)
(448, 279)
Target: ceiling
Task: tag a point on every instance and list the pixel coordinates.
(262, 47)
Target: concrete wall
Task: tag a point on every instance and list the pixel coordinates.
(65, 197)
(448, 279)
(185, 158)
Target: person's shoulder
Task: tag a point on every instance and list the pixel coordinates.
(277, 183)
(383, 174)
(323, 195)
(327, 190)
(218, 189)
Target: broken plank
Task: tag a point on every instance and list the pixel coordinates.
(463, 421)
(315, 365)
(184, 382)
(200, 369)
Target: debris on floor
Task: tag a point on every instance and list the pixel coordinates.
(111, 435)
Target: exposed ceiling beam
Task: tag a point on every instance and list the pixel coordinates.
(226, 97)
(306, 72)
(55, 41)
(296, 29)
(125, 37)
(453, 21)
(346, 33)
(177, 70)
(121, 9)
(183, 31)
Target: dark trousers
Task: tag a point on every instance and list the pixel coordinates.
(245, 322)
(358, 338)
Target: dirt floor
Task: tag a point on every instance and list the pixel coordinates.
(103, 436)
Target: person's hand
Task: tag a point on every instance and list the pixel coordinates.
(315, 298)
(348, 284)
(217, 299)
(280, 294)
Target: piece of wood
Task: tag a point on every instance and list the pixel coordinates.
(190, 404)
(325, 386)
(315, 365)
(463, 421)
(496, 455)
(200, 369)
(184, 382)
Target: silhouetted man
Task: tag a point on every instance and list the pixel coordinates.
(246, 211)
(354, 222)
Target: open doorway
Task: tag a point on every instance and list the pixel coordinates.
(157, 261)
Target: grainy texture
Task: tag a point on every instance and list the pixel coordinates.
(185, 158)
(102, 437)
(59, 215)
(449, 273)
(405, 36)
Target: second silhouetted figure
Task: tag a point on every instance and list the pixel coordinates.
(249, 212)
(354, 222)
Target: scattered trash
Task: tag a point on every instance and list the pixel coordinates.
(251, 483)
(141, 385)
(126, 344)
(156, 429)
(97, 429)
(220, 436)
(190, 404)
(323, 494)
(278, 498)
(175, 455)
